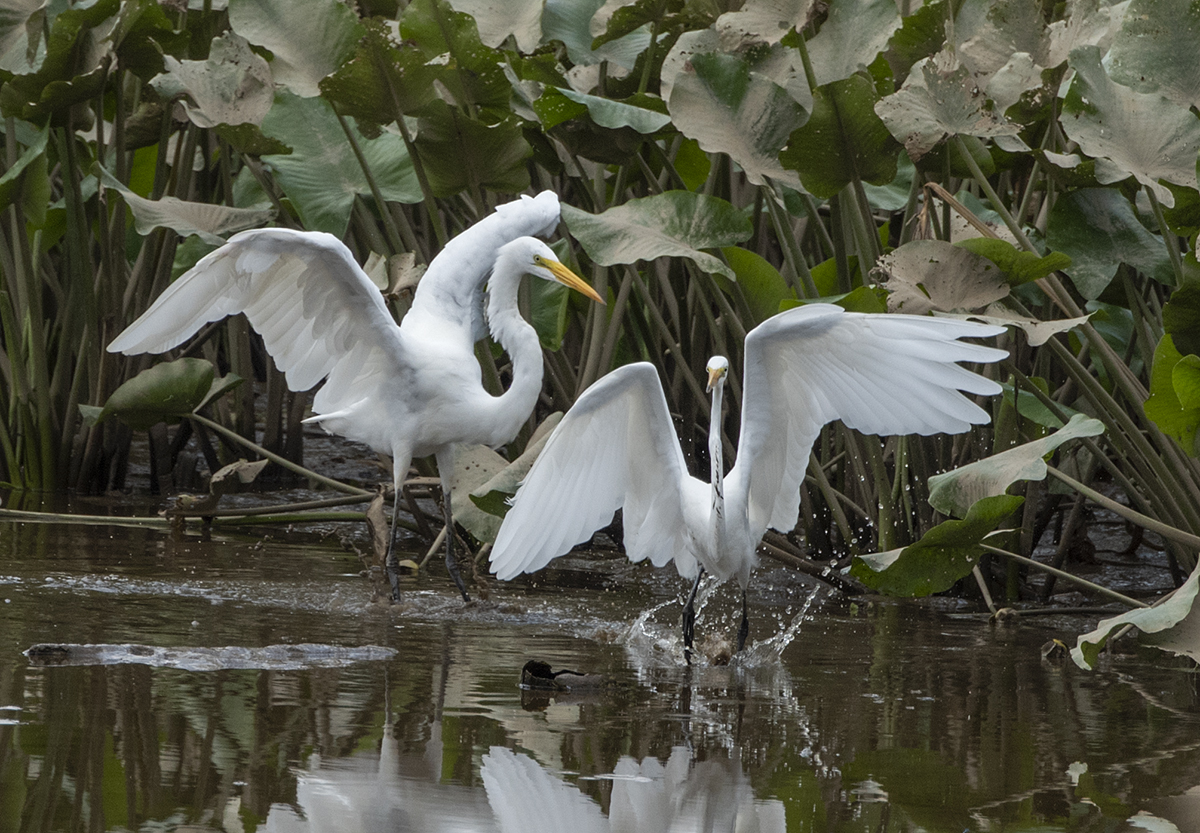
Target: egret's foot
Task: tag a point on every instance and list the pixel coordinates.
(393, 575)
(689, 619)
(744, 628)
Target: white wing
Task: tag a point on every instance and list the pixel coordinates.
(615, 448)
(317, 311)
(524, 796)
(879, 374)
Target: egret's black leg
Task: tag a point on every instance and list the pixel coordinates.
(451, 562)
(392, 562)
(689, 618)
(744, 628)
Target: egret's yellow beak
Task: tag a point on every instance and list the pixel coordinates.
(715, 374)
(569, 279)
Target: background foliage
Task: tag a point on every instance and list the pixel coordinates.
(1029, 161)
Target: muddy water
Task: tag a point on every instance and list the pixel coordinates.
(876, 716)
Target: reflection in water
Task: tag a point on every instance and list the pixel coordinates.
(878, 718)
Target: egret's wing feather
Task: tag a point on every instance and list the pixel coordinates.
(879, 374)
(319, 315)
(616, 448)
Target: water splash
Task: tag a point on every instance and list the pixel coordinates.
(770, 650)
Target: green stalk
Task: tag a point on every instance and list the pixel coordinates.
(1169, 238)
(1065, 576)
(791, 248)
(1167, 531)
(275, 458)
(389, 225)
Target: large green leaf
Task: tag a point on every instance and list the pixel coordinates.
(764, 20)
(163, 393)
(73, 69)
(1018, 265)
(1098, 229)
(843, 140)
(473, 75)
(1181, 317)
(570, 21)
(851, 38)
(21, 46)
(945, 554)
(937, 102)
(1155, 50)
(924, 275)
(308, 39)
(671, 224)
(1129, 133)
(321, 176)
(1173, 625)
(1174, 402)
(208, 221)
(521, 19)
(718, 101)
(955, 491)
(232, 87)
(764, 288)
(383, 80)
(460, 152)
(11, 179)
(616, 114)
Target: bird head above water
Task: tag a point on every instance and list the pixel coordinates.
(530, 256)
(718, 369)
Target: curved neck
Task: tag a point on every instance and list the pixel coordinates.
(716, 460)
(520, 341)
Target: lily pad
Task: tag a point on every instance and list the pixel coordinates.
(1173, 626)
(925, 275)
(954, 492)
(163, 393)
(205, 220)
(718, 101)
(671, 224)
(945, 554)
(1143, 135)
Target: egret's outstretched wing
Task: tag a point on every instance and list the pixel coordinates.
(879, 374)
(615, 448)
(318, 313)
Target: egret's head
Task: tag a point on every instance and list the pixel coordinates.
(539, 259)
(718, 368)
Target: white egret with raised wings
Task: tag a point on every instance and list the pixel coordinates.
(805, 367)
(409, 390)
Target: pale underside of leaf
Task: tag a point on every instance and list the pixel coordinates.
(926, 275)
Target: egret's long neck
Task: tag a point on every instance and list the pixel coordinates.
(716, 461)
(520, 341)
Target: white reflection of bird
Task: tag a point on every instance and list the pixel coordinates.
(616, 447)
(409, 390)
(709, 796)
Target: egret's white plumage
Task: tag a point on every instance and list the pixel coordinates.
(617, 449)
(408, 390)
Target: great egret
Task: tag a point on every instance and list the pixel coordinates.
(616, 447)
(409, 390)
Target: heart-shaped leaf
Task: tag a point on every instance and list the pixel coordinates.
(671, 224)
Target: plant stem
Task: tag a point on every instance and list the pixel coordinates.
(1065, 576)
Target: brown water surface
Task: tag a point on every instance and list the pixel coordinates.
(877, 716)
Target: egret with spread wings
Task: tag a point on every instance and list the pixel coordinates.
(409, 390)
(616, 448)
